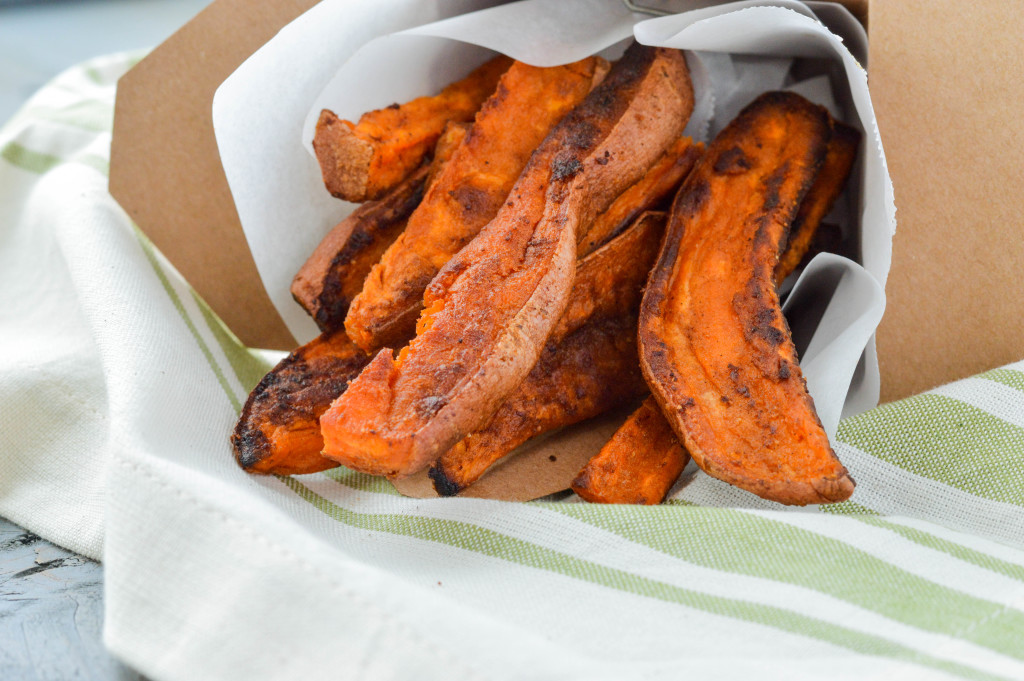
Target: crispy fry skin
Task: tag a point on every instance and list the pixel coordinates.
(490, 310)
(278, 431)
(363, 161)
(527, 103)
(335, 272)
(326, 284)
(658, 184)
(638, 465)
(450, 140)
(605, 284)
(643, 458)
(714, 346)
(588, 366)
(842, 152)
(592, 370)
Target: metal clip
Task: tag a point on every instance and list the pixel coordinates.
(644, 9)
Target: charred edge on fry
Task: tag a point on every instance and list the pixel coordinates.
(602, 102)
(275, 399)
(445, 486)
(250, 444)
(732, 162)
(333, 304)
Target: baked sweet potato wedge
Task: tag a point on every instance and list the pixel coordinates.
(490, 310)
(334, 274)
(828, 185)
(714, 346)
(588, 366)
(451, 139)
(639, 464)
(592, 370)
(644, 457)
(607, 282)
(364, 160)
(466, 195)
(656, 187)
(278, 431)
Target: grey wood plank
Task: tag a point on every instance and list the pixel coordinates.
(51, 613)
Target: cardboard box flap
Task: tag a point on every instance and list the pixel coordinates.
(948, 82)
(165, 170)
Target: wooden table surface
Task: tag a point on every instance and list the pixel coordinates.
(51, 613)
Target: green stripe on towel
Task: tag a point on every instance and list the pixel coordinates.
(149, 250)
(945, 440)
(470, 537)
(26, 159)
(742, 543)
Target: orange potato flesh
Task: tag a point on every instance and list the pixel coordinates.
(451, 139)
(466, 195)
(828, 185)
(657, 185)
(588, 366)
(715, 348)
(503, 293)
(334, 274)
(638, 465)
(592, 370)
(363, 161)
(278, 431)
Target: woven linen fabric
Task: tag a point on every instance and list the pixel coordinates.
(119, 387)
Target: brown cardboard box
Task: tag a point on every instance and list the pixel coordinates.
(165, 170)
(947, 79)
(939, 325)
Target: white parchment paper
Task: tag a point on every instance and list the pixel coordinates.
(351, 57)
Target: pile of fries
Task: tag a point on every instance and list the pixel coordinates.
(538, 246)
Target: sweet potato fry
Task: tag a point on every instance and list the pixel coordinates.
(490, 310)
(335, 272)
(714, 346)
(607, 281)
(638, 465)
(657, 185)
(588, 366)
(644, 457)
(363, 161)
(451, 139)
(829, 183)
(278, 431)
(592, 370)
(528, 102)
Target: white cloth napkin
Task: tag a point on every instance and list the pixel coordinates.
(118, 390)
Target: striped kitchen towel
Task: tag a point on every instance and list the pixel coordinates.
(118, 388)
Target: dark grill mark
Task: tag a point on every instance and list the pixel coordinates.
(565, 168)
(445, 486)
(732, 162)
(691, 198)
